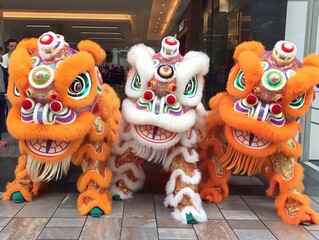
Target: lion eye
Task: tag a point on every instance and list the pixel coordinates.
(80, 87)
(191, 87)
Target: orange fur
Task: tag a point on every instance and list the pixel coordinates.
(93, 48)
(102, 181)
(252, 46)
(103, 201)
(305, 209)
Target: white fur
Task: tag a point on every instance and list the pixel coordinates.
(124, 136)
(140, 58)
(201, 114)
(44, 172)
(170, 186)
(198, 214)
(189, 142)
(194, 63)
(114, 190)
(197, 209)
(166, 121)
(180, 150)
(137, 170)
(121, 175)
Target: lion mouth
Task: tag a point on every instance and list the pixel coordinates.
(249, 139)
(47, 148)
(154, 134)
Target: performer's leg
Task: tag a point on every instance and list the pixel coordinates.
(128, 174)
(181, 188)
(22, 188)
(292, 205)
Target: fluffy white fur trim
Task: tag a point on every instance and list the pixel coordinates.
(194, 63)
(122, 134)
(180, 216)
(137, 170)
(189, 142)
(166, 121)
(201, 118)
(170, 186)
(117, 149)
(191, 158)
(140, 58)
(114, 190)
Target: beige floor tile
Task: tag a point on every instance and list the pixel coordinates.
(67, 212)
(23, 228)
(315, 234)
(66, 222)
(171, 223)
(140, 206)
(99, 228)
(254, 234)
(4, 221)
(42, 206)
(246, 224)
(141, 223)
(9, 208)
(281, 230)
(117, 210)
(212, 211)
(159, 197)
(70, 200)
(233, 202)
(60, 233)
(162, 211)
(239, 215)
(265, 211)
(314, 205)
(214, 230)
(312, 227)
(176, 233)
(139, 233)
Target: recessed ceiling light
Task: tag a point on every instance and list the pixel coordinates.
(97, 27)
(159, 18)
(37, 26)
(163, 5)
(161, 12)
(155, 30)
(100, 33)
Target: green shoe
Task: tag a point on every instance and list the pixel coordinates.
(190, 219)
(116, 197)
(17, 197)
(96, 212)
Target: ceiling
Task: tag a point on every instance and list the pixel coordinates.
(133, 21)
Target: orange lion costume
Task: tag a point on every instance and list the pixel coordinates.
(61, 113)
(251, 128)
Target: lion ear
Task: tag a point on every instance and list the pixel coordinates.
(311, 60)
(252, 46)
(31, 44)
(94, 49)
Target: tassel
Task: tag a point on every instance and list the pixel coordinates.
(240, 162)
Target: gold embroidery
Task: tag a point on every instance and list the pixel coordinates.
(283, 165)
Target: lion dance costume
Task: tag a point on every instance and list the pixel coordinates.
(251, 128)
(160, 123)
(61, 113)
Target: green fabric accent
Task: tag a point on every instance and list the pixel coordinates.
(17, 197)
(190, 219)
(96, 212)
(116, 197)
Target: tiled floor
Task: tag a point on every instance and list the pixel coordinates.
(246, 214)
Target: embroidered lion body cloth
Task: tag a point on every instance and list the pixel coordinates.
(251, 128)
(61, 113)
(161, 121)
